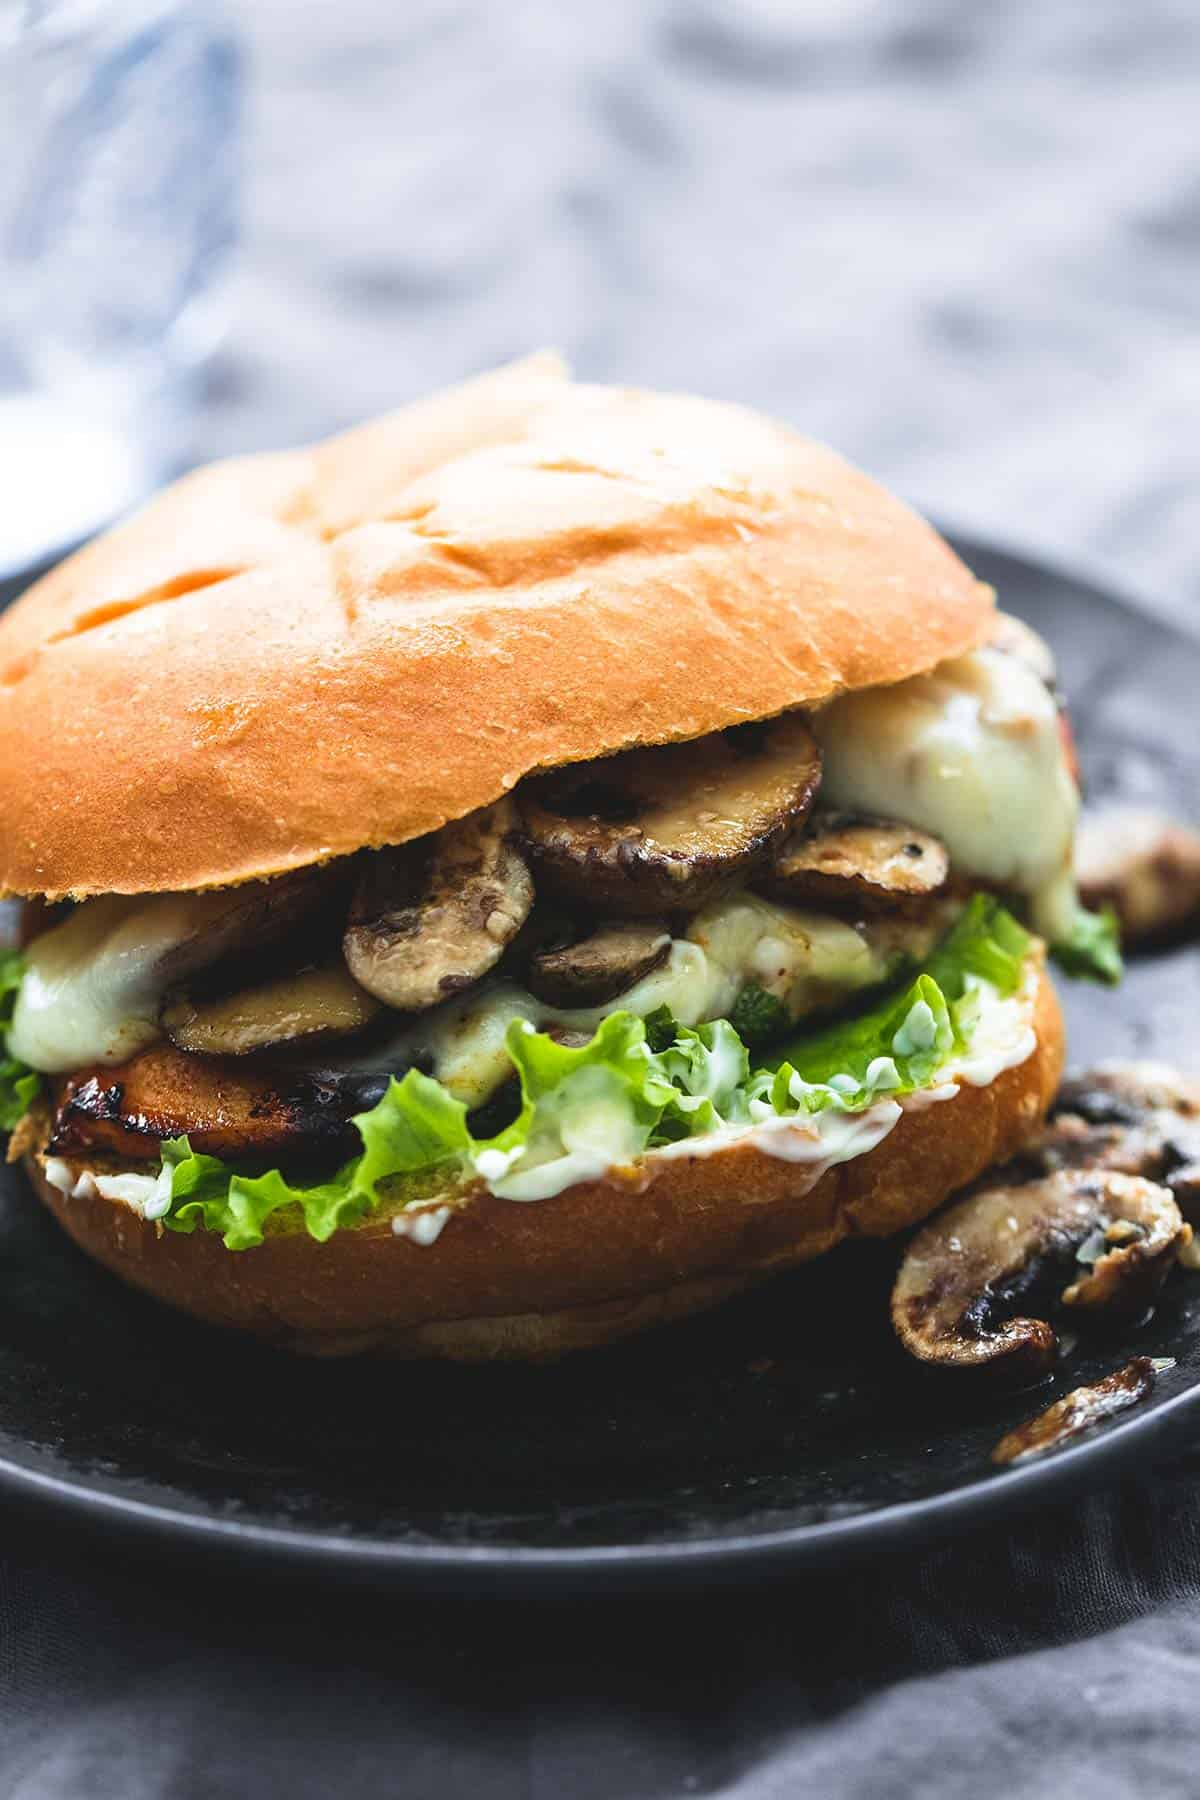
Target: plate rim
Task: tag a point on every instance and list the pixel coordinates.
(856, 1536)
(743, 1554)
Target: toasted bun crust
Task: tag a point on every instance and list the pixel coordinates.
(593, 1264)
(286, 658)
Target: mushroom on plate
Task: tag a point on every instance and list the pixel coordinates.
(957, 1298)
(837, 859)
(429, 918)
(1141, 1118)
(1143, 864)
(1127, 1093)
(1079, 1411)
(667, 829)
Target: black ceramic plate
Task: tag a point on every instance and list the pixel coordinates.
(787, 1426)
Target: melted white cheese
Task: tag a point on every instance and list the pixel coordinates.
(94, 985)
(805, 959)
(973, 753)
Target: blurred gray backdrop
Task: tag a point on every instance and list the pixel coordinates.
(960, 241)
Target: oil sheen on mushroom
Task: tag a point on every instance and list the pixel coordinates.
(837, 859)
(428, 919)
(300, 1007)
(670, 828)
(601, 966)
(958, 1297)
(1138, 1118)
(1079, 1411)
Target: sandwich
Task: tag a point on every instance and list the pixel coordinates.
(521, 872)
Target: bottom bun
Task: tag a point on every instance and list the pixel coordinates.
(603, 1259)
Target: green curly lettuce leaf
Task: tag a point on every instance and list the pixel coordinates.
(207, 1193)
(636, 1085)
(416, 1125)
(19, 1085)
(898, 1046)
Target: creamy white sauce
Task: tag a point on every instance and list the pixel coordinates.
(930, 1096)
(584, 1141)
(981, 1069)
(971, 752)
(587, 1135)
(60, 1175)
(149, 1195)
(422, 1224)
(1002, 1039)
(819, 1139)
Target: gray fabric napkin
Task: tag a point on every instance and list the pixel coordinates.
(1056, 1657)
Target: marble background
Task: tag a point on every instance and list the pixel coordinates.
(961, 242)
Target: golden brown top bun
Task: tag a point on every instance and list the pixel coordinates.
(288, 657)
(596, 1262)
